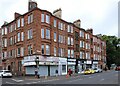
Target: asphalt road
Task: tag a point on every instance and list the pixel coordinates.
(106, 77)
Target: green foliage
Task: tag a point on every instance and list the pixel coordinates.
(112, 49)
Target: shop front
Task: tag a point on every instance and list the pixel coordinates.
(71, 64)
(89, 64)
(47, 65)
(62, 68)
(95, 64)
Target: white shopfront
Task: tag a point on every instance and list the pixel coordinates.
(95, 64)
(47, 65)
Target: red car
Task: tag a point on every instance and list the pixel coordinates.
(117, 68)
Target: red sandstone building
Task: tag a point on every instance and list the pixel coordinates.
(60, 45)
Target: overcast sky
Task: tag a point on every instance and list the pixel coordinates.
(101, 15)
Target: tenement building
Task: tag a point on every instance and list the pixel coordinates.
(56, 43)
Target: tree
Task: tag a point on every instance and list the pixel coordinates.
(112, 49)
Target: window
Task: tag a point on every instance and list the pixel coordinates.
(47, 34)
(59, 25)
(72, 53)
(2, 31)
(47, 19)
(22, 36)
(76, 36)
(42, 17)
(11, 40)
(87, 55)
(81, 34)
(68, 40)
(68, 53)
(30, 34)
(81, 55)
(81, 44)
(55, 51)
(47, 50)
(15, 26)
(5, 43)
(18, 23)
(22, 51)
(55, 23)
(54, 36)
(71, 29)
(30, 18)
(42, 33)
(18, 52)
(87, 36)
(42, 48)
(11, 28)
(63, 68)
(5, 30)
(30, 50)
(15, 39)
(22, 21)
(68, 28)
(71, 41)
(18, 37)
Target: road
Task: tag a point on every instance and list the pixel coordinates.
(106, 77)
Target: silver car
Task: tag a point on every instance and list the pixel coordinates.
(5, 73)
(97, 70)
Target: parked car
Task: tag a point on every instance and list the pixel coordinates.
(5, 73)
(98, 70)
(117, 68)
(89, 71)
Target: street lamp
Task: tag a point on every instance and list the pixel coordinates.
(37, 66)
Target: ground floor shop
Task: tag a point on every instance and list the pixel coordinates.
(48, 66)
(71, 64)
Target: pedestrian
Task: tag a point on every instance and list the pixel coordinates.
(56, 72)
(69, 72)
(36, 73)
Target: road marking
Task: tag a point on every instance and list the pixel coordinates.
(9, 83)
(17, 80)
(75, 80)
(102, 79)
(49, 80)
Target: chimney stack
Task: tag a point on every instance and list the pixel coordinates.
(31, 5)
(90, 30)
(58, 13)
(77, 23)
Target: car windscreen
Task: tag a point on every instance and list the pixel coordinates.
(7, 71)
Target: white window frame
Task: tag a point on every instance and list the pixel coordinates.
(42, 33)
(22, 22)
(18, 23)
(22, 36)
(47, 34)
(55, 37)
(42, 17)
(48, 19)
(18, 37)
(47, 50)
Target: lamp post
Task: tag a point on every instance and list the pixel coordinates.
(37, 66)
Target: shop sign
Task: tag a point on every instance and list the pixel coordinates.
(89, 62)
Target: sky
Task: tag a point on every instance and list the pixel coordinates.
(100, 15)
